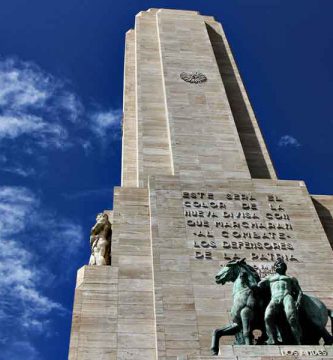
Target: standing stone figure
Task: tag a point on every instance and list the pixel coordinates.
(286, 296)
(100, 241)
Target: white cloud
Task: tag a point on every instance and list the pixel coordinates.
(19, 170)
(30, 233)
(288, 140)
(37, 109)
(20, 350)
(21, 210)
(38, 112)
(72, 104)
(23, 84)
(106, 123)
(16, 205)
(19, 282)
(35, 104)
(19, 278)
(12, 126)
(67, 236)
(44, 134)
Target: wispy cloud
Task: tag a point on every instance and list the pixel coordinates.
(16, 168)
(14, 125)
(19, 170)
(20, 350)
(46, 135)
(106, 123)
(67, 236)
(25, 87)
(16, 205)
(40, 117)
(72, 105)
(40, 113)
(20, 288)
(22, 211)
(35, 104)
(23, 84)
(288, 141)
(29, 233)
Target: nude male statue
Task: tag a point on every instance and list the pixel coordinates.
(286, 296)
(100, 241)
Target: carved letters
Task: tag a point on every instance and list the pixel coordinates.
(237, 223)
(303, 352)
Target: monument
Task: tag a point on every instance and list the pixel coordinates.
(198, 197)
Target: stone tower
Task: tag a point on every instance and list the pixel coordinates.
(198, 189)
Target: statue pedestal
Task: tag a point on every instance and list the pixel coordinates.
(94, 322)
(268, 352)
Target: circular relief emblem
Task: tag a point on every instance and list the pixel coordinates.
(193, 77)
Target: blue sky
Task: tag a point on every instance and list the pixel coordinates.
(61, 70)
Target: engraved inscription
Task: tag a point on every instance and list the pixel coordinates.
(303, 352)
(235, 223)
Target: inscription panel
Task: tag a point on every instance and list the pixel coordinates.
(238, 223)
(196, 228)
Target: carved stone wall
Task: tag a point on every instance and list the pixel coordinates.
(94, 324)
(194, 129)
(269, 353)
(196, 227)
(198, 189)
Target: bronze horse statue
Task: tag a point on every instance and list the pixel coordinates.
(250, 302)
(247, 312)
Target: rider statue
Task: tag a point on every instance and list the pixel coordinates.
(286, 296)
(100, 241)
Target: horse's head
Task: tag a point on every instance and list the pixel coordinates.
(229, 272)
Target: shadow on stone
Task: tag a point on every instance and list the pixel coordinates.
(326, 219)
(250, 143)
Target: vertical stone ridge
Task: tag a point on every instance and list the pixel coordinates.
(129, 141)
(138, 134)
(256, 153)
(158, 303)
(153, 140)
(95, 307)
(165, 100)
(131, 255)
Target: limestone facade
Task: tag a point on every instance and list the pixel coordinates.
(198, 188)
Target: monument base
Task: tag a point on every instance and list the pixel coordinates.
(268, 352)
(94, 322)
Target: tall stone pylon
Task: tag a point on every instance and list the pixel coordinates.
(198, 189)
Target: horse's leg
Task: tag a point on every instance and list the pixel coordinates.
(218, 333)
(327, 337)
(247, 317)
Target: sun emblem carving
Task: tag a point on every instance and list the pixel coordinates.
(193, 77)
